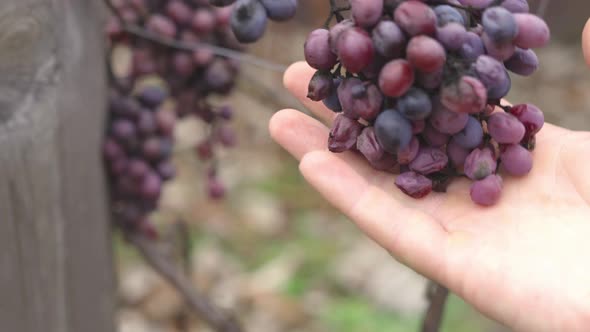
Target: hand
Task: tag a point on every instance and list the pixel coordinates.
(522, 262)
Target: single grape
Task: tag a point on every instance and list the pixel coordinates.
(523, 62)
(434, 137)
(413, 184)
(355, 49)
(499, 24)
(516, 160)
(429, 160)
(480, 163)
(533, 32)
(516, 6)
(415, 18)
(451, 36)
(487, 192)
(471, 136)
(530, 116)
(332, 102)
(446, 121)
(359, 99)
(473, 46)
(366, 13)
(369, 146)
(505, 128)
(500, 51)
(396, 78)
(468, 95)
(336, 31)
(446, 14)
(320, 86)
(317, 50)
(249, 20)
(280, 10)
(457, 154)
(415, 104)
(389, 40)
(393, 131)
(344, 134)
(426, 54)
(409, 153)
(494, 77)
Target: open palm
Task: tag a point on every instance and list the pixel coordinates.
(521, 262)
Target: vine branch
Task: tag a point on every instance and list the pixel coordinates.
(218, 320)
(437, 296)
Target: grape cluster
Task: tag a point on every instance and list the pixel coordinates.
(418, 86)
(164, 83)
(250, 17)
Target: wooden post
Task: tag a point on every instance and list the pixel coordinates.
(56, 272)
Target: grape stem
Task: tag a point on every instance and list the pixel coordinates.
(437, 297)
(179, 45)
(154, 256)
(335, 11)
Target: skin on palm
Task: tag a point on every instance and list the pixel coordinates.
(515, 262)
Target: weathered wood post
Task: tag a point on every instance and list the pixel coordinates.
(56, 270)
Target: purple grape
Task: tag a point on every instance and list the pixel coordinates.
(430, 81)
(530, 116)
(344, 134)
(480, 4)
(434, 137)
(516, 6)
(166, 170)
(516, 160)
(523, 62)
(409, 153)
(415, 18)
(500, 51)
(355, 49)
(457, 154)
(359, 99)
(112, 150)
(332, 102)
(415, 104)
(203, 21)
(320, 86)
(161, 25)
(249, 20)
(487, 192)
(471, 136)
(393, 131)
(429, 160)
(152, 96)
(473, 46)
(494, 77)
(505, 128)
(396, 78)
(426, 54)
(480, 163)
(366, 13)
(533, 32)
(138, 169)
(368, 145)
(499, 24)
(280, 10)
(336, 31)
(414, 185)
(446, 14)
(468, 95)
(445, 120)
(387, 163)
(451, 36)
(123, 130)
(389, 40)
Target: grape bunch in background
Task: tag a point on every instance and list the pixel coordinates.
(418, 85)
(250, 17)
(162, 84)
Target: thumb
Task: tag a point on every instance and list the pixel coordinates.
(586, 42)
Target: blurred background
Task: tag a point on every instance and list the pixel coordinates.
(274, 251)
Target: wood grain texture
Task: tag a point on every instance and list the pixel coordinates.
(56, 270)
